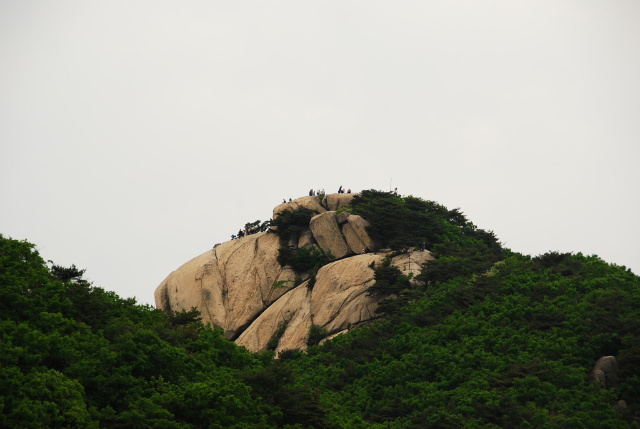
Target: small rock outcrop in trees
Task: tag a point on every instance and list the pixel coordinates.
(604, 372)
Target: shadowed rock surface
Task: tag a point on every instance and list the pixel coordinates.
(604, 372)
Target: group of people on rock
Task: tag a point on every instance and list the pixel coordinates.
(251, 228)
(255, 227)
(313, 193)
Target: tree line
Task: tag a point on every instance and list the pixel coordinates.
(484, 337)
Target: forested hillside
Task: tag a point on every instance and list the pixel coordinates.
(484, 338)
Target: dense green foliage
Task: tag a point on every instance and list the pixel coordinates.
(273, 342)
(401, 222)
(74, 355)
(389, 280)
(510, 347)
(290, 223)
(483, 338)
(316, 334)
(304, 259)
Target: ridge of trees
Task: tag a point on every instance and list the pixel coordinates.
(75, 355)
(484, 337)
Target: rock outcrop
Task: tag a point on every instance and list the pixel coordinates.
(230, 284)
(604, 372)
(311, 203)
(306, 239)
(240, 287)
(335, 201)
(353, 240)
(359, 225)
(337, 302)
(326, 232)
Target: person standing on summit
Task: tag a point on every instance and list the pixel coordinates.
(340, 189)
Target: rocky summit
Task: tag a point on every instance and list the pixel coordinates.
(241, 287)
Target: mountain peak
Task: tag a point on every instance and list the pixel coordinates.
(243, 287)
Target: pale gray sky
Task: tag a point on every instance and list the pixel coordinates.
(136, 134)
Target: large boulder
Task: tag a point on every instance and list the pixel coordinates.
(240, 287)
(326, 232)
(604, 372)
(412, 262)
(342, 217)
(359, 226)
(335, 201)
(306, 239)
(337, 302)
(311, 203)
(339, 299)
(292, 310)
(230, 284)
(354, 242)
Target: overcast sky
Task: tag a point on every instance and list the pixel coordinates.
(137, 134)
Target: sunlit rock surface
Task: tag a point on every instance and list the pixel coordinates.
(239, 285)
(326, 232)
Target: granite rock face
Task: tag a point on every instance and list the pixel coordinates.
(229, 284)
(335, 201)
(240, 287)
(354, 242)
(326, 232)
(306, 239)
(311, 203)
(359, 226)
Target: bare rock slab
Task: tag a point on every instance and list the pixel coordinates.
(359, 226)
(339, 297)
(334, 201)
(353, 240)
(230, 284)
(326, 232)
(311, 203)
(292, 309)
